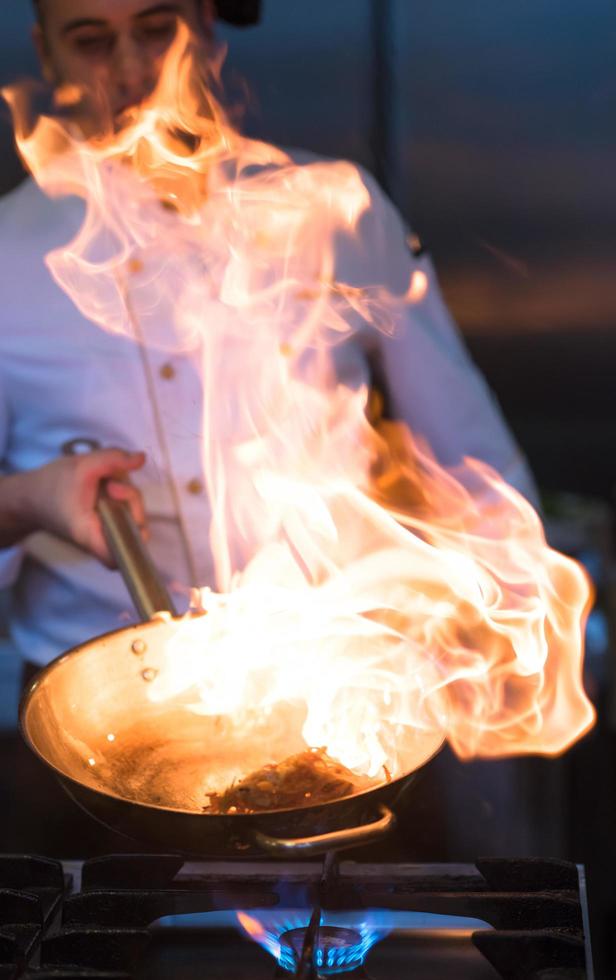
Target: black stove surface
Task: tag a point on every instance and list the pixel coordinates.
(161, 918)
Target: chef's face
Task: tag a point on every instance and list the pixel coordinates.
(112, 50)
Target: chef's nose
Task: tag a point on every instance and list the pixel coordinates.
(131, 70)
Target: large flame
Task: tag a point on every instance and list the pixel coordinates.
(356, 578)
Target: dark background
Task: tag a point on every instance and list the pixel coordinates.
(491, 125)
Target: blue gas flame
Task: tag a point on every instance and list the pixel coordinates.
(370, 926)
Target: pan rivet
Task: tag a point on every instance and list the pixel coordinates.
(149, 673)
(138, 647)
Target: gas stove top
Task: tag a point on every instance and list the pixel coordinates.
(162, 918)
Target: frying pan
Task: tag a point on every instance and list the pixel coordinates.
(143, 769)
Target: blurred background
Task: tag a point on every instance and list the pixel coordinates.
(491, 126)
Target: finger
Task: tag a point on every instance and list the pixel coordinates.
(135, 461)
(130, 495)
(106, 462)
(104, 465)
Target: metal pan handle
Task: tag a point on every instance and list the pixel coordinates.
(336, 840)
(133, 559)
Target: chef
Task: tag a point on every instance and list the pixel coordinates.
(63, 378)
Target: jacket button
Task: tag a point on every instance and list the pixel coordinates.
(167, 372)
(194, 486)
(416, 245)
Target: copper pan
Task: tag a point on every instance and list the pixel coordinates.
(89, 718)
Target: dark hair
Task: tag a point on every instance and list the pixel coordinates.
(239, 12)
(242, 13)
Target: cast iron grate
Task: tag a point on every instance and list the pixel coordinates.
(91, 919)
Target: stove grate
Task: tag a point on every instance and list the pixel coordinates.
(91, 919)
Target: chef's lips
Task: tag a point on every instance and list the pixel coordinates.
(371, 591)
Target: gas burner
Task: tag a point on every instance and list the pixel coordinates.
(338, 950)
(329, 942)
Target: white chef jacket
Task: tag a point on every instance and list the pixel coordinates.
(62, 377)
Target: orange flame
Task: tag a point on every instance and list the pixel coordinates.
(384, 596)
(252, 926)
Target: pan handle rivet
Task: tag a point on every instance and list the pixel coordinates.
(149, 673)
(138, 647)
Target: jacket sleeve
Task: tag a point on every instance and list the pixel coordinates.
(10, 558)
(430, 380)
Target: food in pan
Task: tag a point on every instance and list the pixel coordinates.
(299, 780)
